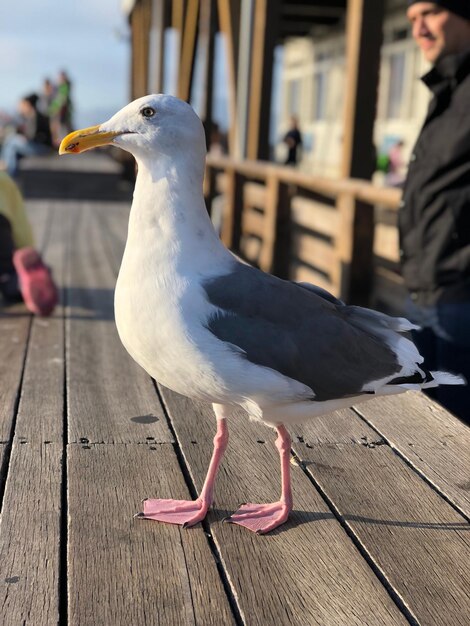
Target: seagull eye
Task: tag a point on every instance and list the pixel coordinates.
(148, 112)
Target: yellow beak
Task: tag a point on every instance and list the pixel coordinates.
(86, 139)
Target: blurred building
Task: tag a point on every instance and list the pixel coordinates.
(249, 65)
(312, 87)
(185, 46)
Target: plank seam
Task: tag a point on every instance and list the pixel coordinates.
(227, 585)
(9, 444)
(63, 545)
(401, 455)
(394, 595)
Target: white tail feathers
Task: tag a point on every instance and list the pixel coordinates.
(444, 378)
(439, 378)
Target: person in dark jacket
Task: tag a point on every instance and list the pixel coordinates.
(33, 137)
(293, 140)
(434, 217)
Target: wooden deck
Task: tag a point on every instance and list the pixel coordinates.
(380, 532)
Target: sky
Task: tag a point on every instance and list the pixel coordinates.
(89, 39)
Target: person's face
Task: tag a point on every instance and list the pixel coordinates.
(438, 32)
(25, 108)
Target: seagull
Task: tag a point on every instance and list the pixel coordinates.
(205, 324)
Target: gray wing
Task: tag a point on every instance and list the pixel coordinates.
(323, 293)
(298, 332)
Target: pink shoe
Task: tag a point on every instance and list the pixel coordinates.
(36, 284)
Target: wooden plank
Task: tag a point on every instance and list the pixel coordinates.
(327, 583)
(338, 427)
(436, 443)
(313, 251)
(128, 571)
(386, 243)
(250, 249)
(317, 216)
(30, 535)
(417, 540)
(253, 223)
(15, 324)
(40, 412)
(110, 398)
(113, 218)
(254, 195)
(3, 449)
(221, 182)
(14, 330)
(40, 217)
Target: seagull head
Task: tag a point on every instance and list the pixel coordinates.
(152, 127)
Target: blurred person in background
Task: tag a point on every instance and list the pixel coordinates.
(23, 275)
(395, 172)
(46, 97)
(61, 109)
(32, 136)
(293, 140)
(434, 217)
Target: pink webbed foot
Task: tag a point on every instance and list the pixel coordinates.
(184, 512)
(260, 518)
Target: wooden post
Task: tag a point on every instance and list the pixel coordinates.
(206, 43)
(274, 255)
(140, 28)
(346, 205)
(159, 22)
(265, 30)
(210, 180)
(188, 50)
(232, 215)
(229, 20)
(363, 43)
(136, 50)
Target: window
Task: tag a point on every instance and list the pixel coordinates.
(319, 95)
(396, 84)
(293, 102)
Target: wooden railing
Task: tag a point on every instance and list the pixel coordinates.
(338, 234)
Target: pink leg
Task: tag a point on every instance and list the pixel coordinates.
(261, 518)
(184, 512)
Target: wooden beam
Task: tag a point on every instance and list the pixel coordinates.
(265, 29)
(233, 208)
(136, 50)
(178, 8)
(146, 23)
(140, 29)
(188, 50)
(160, 19)
(363, 43)
(205, 47)
(229, 23)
